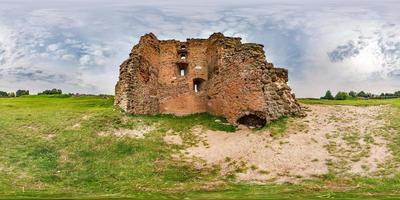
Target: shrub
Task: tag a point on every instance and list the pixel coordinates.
(388, 95)
(362, 94)
(353, 94)
(22, 92)
(52, 91)
(342, 96)
(11, 94)
(3, 94)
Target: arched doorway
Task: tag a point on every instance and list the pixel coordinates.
(252, 120)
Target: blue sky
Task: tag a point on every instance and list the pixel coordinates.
(78, 45)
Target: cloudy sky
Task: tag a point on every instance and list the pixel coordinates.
(78, 45)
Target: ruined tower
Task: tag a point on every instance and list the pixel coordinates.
(219, 75)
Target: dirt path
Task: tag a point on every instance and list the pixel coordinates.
(339, 139)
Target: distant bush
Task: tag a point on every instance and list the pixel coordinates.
(388, 95)
(3, 94)
(361, 95)
(49, 92)
(328, 95)
(353, 94)
(21, 93)
(342, 96)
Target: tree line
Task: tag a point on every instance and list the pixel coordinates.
(365, 95)
(49, 92)
(19, 93)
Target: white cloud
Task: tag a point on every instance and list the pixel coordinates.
(67, 57)
(52, 47)
(335, 45)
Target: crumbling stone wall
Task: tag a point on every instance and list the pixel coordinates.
(219, 75)
(137, 88)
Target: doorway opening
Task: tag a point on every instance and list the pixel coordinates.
(198, 84)
(252, 120)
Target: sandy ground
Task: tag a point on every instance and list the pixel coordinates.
(340, 139)
(172, 138)
(137, 133)
(77, 125)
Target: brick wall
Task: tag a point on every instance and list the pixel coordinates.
(233, 79)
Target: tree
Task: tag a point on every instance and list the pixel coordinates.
(22, 92)
(11, 94)
(342, 96)
(353, 94)
(328, 95)
(52, 91)
(3, 94)
(362, 94)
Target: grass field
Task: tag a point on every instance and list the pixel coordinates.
(43, 154)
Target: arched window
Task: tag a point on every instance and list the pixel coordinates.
(182, 70)
(182, 56)
(198, 84)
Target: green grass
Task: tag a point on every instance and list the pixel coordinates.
(41, 156)
(184, 123)
(277, 127)
(352, 102)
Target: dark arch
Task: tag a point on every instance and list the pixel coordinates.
(252, 120)
(198, 84)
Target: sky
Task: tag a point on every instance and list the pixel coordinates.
(77, 46)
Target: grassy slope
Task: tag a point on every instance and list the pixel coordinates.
(41, 155)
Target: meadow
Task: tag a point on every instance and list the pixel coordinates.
(50, 148)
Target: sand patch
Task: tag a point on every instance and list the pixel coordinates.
(50, 136)
(137, 132)
(173, 139)
(77, 125)
(258, 157)
(342, 139)
(63, 156)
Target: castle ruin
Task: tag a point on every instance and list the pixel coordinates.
(219, 75)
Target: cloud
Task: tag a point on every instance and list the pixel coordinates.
(31, 78)
(350, 49)
(377, 54)
(79, 44)
(57, 49)
(395, 73)
(23, 73)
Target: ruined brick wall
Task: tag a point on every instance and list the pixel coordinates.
(219, 75)
(245, 84)
(137, 87)
(176, 93)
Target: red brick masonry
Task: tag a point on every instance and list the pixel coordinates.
(218, 75)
